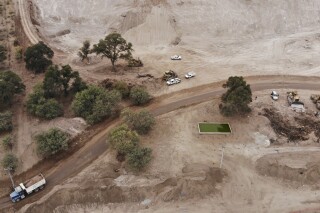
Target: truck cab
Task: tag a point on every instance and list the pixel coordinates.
(17, 194)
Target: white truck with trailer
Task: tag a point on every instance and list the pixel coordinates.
(32, 185)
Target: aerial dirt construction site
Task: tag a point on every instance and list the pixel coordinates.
(160, 106)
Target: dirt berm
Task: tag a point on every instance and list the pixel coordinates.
(195, 181)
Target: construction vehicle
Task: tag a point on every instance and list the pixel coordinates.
(169, 75)
(294, 102)
(292, 97)
(24, 189)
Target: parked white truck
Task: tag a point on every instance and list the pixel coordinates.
(32, 185)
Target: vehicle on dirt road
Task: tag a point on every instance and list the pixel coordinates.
(274, 95)
(173, 81)
(32, 185)
(190, 75)
(176, 57)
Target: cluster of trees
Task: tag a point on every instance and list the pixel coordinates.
(237, 98)
(95, 103)
(9, 161)
(42, 102)
(113, 47)
(125, 138)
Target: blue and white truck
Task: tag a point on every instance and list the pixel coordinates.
(32, 185)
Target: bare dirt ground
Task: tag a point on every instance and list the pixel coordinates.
(184, 175)
(216, 39)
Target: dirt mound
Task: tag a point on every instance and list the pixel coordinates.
(196, 181)
(301, 167)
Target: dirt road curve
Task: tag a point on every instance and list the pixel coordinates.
(26, 22)
(97, 145)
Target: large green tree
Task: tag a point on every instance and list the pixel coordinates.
(235, 101)
(38, 57)
(113, 47)
(141, 121)
(95, 103)
(123, 139)
(52, 142)
(139, 95)
(38, 105)
(10, 84)
(3, 53)
(58, 80)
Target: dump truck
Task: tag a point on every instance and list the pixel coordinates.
(24, 189)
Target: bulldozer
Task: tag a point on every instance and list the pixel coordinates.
(168, 75)
(292, 97)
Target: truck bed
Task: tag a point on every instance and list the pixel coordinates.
(33, 180)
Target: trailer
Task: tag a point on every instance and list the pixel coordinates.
(24, 189)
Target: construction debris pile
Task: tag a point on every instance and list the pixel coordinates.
(316, 100)
(284, 128)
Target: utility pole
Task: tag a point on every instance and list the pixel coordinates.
(221, 157)
(9, 173)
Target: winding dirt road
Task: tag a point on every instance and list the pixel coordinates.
(97, 145)
(26, 22)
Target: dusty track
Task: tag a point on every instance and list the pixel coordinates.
(26, 22)
(97, 145)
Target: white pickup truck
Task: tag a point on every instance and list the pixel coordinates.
(32, 185)
(176, 57)
(190, 75)
(173, 81)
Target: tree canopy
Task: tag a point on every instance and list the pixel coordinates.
(235, 101)
(42, 107)
(139, 95)
(52, 142)
(38, 57)
(10, 84)
(10, 161)
(113, 47)
(123, 139)
(3, 53)
(139, 158)
(95, 103)
(142, 121)
(57, 80)
(5, 121)
(84, 51)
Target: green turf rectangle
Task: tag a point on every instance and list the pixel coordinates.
(214, 128)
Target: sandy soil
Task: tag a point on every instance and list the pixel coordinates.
(216, 39)
(184, 174)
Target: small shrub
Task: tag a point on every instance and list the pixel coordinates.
(7, 142)
(123, 88)
(139, 95)
(6, 121)
(52, 142)
(139, 158)
(19, 54)
(10, 161)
